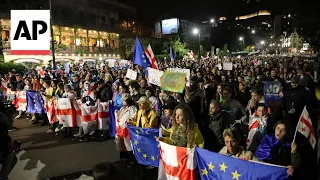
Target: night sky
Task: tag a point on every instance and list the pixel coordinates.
(150, 11)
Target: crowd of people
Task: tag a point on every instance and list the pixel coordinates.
(214, 112)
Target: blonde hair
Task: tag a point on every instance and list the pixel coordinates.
(232, 133)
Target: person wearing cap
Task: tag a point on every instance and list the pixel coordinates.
(167, 118)
(146, 116)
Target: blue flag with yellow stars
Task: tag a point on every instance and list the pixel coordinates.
(216, 166)
(145, 145)
(35, 102)
(139, 56)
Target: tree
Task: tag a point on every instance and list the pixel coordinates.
(225, 50)
(296, 40)
(179, 47)
(75, 33)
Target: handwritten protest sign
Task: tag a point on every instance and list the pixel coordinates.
(131, 74)
(227, 66)
(173, 81)
(187, 71)
(272, 90)
(154, 76)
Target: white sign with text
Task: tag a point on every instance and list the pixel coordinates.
(131, 74)
(154, 76)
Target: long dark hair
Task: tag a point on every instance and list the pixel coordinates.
(189, 119)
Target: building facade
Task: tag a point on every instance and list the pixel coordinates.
(83, 28)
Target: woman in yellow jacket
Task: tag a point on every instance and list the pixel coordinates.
(184, 131)
(146, 116)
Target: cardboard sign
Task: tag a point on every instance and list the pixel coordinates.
(227, 66)
(154, 76)
(173, 81)
(131, 74)
(187, 71)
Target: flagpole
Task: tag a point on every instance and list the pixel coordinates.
(295, 133)
(52, 38)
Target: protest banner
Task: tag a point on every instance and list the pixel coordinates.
(173, 81)
(227, 66)
(272, 90)
(179, 70)
(154, 76)
(131, 74)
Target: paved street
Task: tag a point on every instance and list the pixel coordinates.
(46, 156)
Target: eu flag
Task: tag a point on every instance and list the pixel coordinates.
(145, 145)
(112, 128)
(139, 56)
(220, 167)
(35, 102)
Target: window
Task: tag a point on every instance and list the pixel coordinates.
(103, 19)
(82, 16)
(92, 17)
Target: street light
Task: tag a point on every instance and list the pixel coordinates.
(262, 42)
(253, 31)
(196, 31)
(212, 20)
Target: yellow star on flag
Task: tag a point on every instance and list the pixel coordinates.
(141, 130)
(155, 137)
(143, 56)
(204, 172)
(153, 158)
(147, 133)
(137, 135)
(137, 131)
(145, 61)
(223, 167)
(145, 156)
(138, 149)
(211, 166)
(235, 175)
(136, 143)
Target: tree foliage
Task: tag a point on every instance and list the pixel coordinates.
(296, 40)
(180, 48)
(6, 67)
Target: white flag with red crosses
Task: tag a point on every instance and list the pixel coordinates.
(305, 127)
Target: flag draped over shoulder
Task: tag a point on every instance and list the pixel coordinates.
(35, 102)
(145, 145)
(177, 163)
(51, 111)
(68, 112)
(214, 166)
(103, 116)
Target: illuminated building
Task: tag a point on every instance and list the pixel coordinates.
(79, 26)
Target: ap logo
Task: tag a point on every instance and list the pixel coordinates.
(30, 32)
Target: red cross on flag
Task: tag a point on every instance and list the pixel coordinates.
(305, 127)
(151, 57)
(176, 163)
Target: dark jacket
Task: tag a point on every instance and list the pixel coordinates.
(105, 94)
(76, 87)
(4, 137)
(20, 85)
(215, 126)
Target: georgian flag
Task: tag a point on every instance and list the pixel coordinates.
(305, 127)
(103, 116)
(151, 57)
(177, 163)
(68, 112)
(21, 101)
(254, 123)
